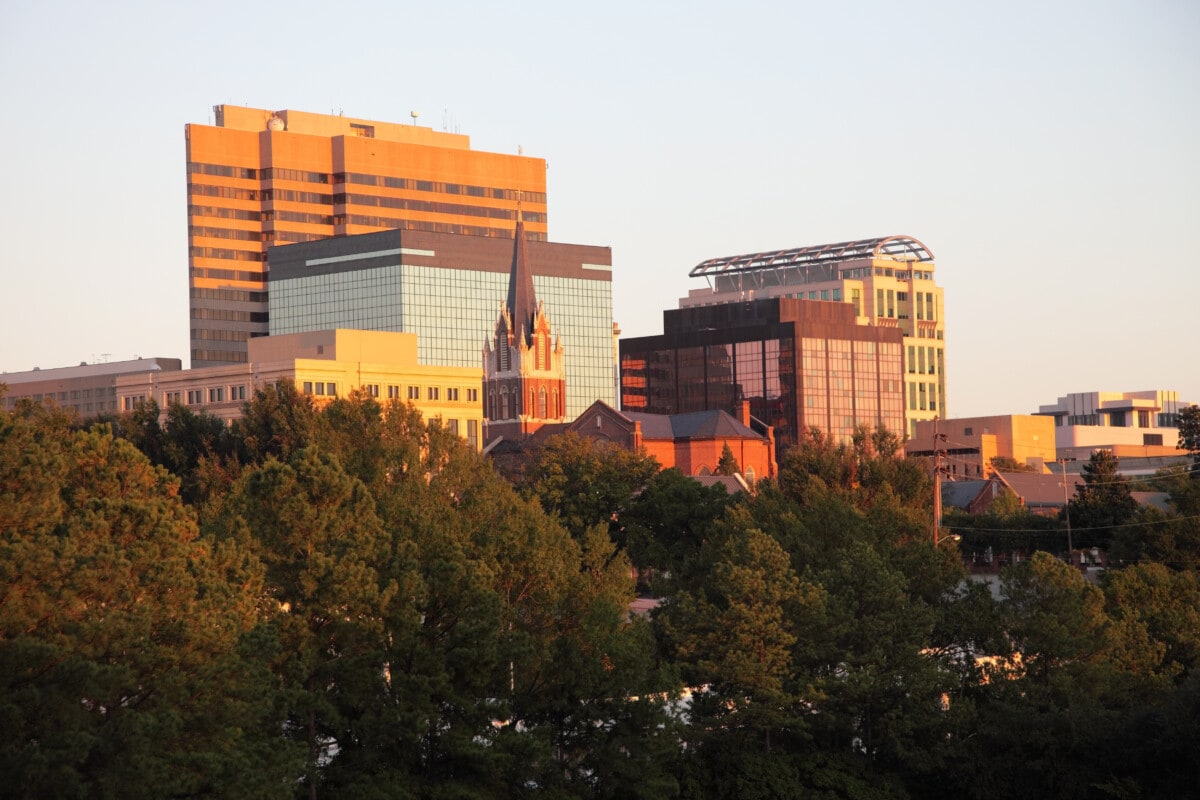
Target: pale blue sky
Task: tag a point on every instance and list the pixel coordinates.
(1048, 154)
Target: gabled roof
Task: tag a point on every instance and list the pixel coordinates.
(959, 494)
(1040, 489)
(694, 425)
(521, 302)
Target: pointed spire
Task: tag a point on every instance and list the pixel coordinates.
(522, 303)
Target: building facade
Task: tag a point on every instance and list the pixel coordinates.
(692, 443)
(258, 178)
(447, 288)
(889, 282)
(524, 379)
(89, 389)
(968, 444)
(325, 365)
(799, 364)
(1130, 424)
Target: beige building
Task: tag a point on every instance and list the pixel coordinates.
(969, 444)
(325, 365)
(1129, 424)
(889, 281)
(88, 389)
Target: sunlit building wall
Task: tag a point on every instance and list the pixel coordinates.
(324, 365)
(258, 178)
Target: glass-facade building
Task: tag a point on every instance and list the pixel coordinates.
(889, 281)
(800, 364)
(449, 289)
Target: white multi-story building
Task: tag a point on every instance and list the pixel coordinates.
(1127, 423)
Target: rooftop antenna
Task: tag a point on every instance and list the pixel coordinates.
(414, 115)
(105, 357)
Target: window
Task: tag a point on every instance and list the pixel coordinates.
(237, 392)
(1154, 439)
(331, 389)
(393, 392)
(308, 387)
(431, 393)
(1143, 418)
(452, 426)
(195, 397)
(472, 395)
(1116, 419)
(473, 432)
(171, 397)
(968, 431)
(216, 395)
(372, 389)
(750, 474)
(414, 393)
(320, 386)
(452, 393)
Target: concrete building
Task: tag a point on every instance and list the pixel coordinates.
(889, 281)
(970, 443)
(448, 289)
(325, 365)
(88, 389)
(799, 364)
(258, 177)
(1130, 424)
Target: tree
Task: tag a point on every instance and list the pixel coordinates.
(324, 549)
(1189, 431)
(728, 464)
(582, 481)
(1009, 464)
(122, 668)
(1103, 504)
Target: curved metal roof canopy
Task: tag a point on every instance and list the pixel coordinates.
(904, 248)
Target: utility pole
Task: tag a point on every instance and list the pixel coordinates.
(939, 453)
(1067, 514)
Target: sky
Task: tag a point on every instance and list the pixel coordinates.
(1047, 153)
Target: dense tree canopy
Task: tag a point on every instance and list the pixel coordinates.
(346, 601)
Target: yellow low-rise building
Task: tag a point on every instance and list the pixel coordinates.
(968, 444)
(325, 365)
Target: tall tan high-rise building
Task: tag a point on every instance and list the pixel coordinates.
(259, 178)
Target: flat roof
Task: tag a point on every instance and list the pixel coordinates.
(902, 248)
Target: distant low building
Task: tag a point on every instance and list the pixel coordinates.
(970, 443)
(1143, 424)
(324, 365)
(88, 389)
(692, 442)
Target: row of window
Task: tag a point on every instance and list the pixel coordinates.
(222, 335)
(234, 295)
(887, 272)
(362, 179)
(229, 275)
(434, 207)
(392, 223)
(229, 255)
(226, 356)
(412, 392)
(228, 315)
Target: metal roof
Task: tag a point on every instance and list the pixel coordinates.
(904, 248)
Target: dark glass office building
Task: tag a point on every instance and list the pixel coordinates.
(800, 363)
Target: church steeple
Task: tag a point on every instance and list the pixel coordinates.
(522, 303)
(524, 378)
